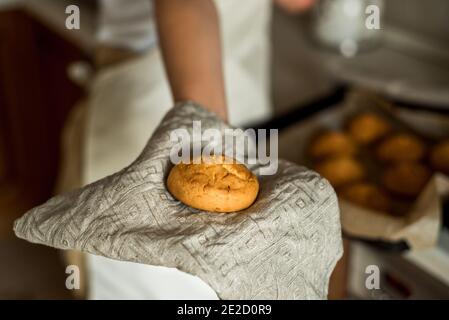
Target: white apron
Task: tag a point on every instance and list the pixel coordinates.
(127, 102)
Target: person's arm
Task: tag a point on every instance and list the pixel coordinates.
(295, 6)
(189, 37)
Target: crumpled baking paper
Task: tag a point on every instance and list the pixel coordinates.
(284, 246)
(419, 226)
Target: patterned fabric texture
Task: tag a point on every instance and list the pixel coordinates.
(284, 246)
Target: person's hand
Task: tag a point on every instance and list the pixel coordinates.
(295, 6)
(284, 246)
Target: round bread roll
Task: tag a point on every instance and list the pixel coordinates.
(217, 184)
(341, 170)
(331, 144)
(367, 195)
(401, 147)
(407, 179)
(367, 128)
(439, 157)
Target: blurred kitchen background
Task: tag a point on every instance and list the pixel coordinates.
(44, 68)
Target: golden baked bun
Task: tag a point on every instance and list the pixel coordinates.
(340, 170)
(331, 144)
(407, 179)
(367, 195)
(367, 128)
(401, 147)
(217, 184)
(439, 157)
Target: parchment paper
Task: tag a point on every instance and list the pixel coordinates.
(420, 225)
(284, 246)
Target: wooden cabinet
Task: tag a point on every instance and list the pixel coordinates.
(35, 98)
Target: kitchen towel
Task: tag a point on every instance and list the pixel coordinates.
(284, 246)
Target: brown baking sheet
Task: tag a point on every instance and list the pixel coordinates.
(415, 221)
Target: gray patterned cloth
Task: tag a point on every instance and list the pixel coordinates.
(284, 246)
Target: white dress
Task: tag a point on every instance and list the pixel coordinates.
(128, 100)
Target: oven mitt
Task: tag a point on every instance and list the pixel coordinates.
(284, 246)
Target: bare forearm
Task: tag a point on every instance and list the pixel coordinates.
(190, 41)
